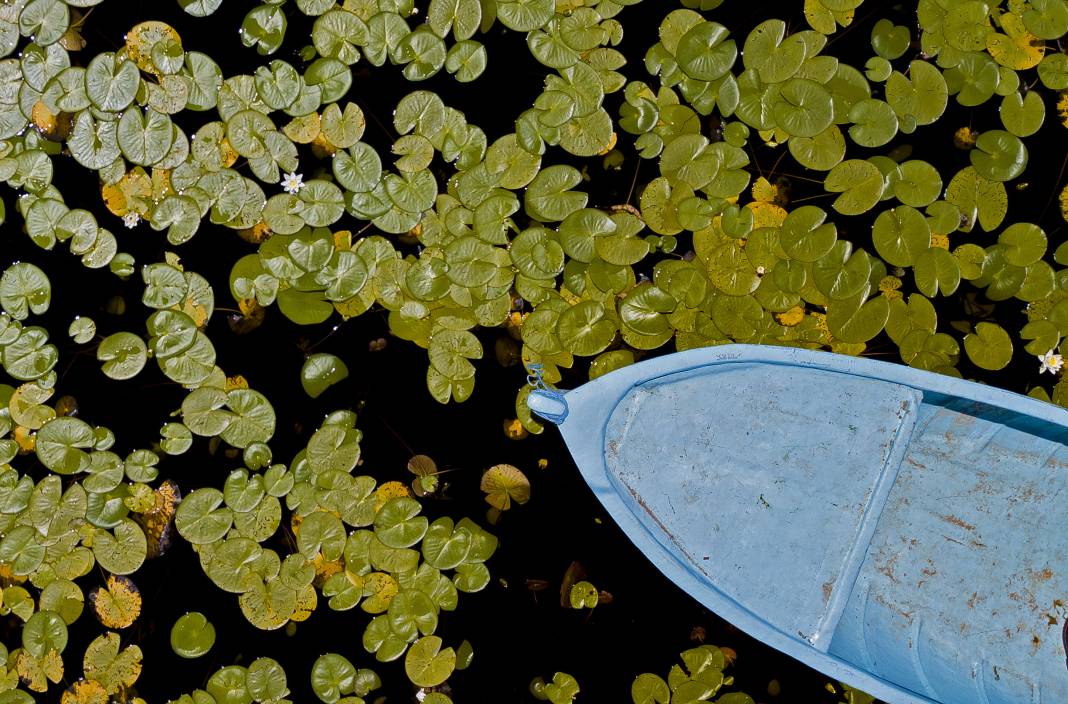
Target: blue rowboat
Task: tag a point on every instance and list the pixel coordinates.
(899, 530)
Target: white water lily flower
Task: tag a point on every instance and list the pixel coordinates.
(131, 219)
(292, 183)
(1051, 362)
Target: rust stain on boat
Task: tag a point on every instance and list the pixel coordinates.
(958, 522)
(1043, 575)
(659, 523)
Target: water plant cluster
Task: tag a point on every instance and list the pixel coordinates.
(777, 196)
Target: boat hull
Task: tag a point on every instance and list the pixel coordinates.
(892, 528)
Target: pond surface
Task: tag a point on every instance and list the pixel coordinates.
(517, 626)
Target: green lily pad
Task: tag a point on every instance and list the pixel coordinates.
(321, 532)
(804, 108)
(874, 122)
(264, 28)
(461, 17)
(61, 445)
(989, 347)
(525, 15)
(145, 138)
(320, 372)
(199, 518)
(29, 356)
(24, 288)
(411, 613)
(923, 94)
(44, 631)
(175, 438)
(999, 155)
(890, 41)
(1024, 114)
(549, 197)
(1026, 243)
(229, 685)
(979, 199)
(111, 84)
(19, 549)
(805, 236)
(974, 79)
(123, 354)
(1053, 71)
(331, 676)
(563, 689)
(253, 420)
(192, 635)
(338, 34)
(585, 330)
(266, 680)
(775, 56)
(860, 184)
(426, 664)
(917, 183)
(841, 273)
(900, 235)
(122, 552)
(82, 329)
(444, 547)
(820, 153)
(466, 60)
(936, 270)
(397, 523)
(648, 688)
(704, 53)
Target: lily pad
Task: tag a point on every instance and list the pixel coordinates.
(979, 199)
(989, 347)
(320, 372)
(426, 664)
(503, 484)
(24, 288)
(860, 185)
(123, 354)
(117, 604)
(199, 518)
(398, 525)
(192, 635)
(999, 155)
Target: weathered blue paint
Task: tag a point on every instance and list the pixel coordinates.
(896, 529)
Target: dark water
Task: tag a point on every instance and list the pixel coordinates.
(517, 632)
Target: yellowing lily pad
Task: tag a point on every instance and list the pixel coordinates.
(503, 484)
(104, 663)
(85, 692)
(390, 490)
(379, 589)
(583, 595)
(118, 604)
(143, 38)
(1017, 48)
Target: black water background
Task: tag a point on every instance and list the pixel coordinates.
(517, 633)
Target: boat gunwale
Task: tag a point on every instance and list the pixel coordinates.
(597, 400)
